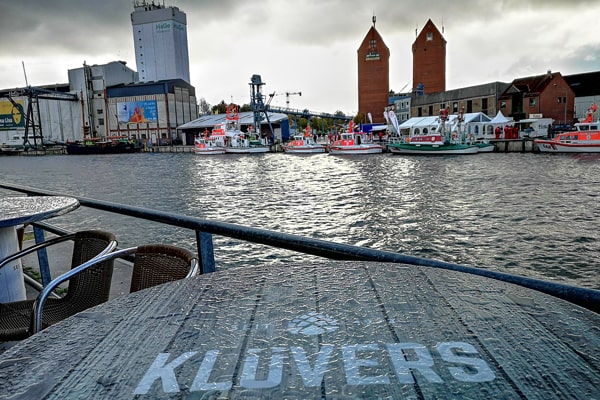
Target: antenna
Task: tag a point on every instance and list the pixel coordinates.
(25, 73)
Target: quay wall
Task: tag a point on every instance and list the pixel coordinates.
(502, 146)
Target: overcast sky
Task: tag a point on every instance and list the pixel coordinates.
(307, 46)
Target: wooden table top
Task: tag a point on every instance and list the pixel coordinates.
(23, 210)
(324, 329)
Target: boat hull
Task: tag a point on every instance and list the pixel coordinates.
(485, 148)
(246, 150)
(81, 149)
(358, 149)
(209, 151)
(304, 150)
(550, 146)
(451, 149)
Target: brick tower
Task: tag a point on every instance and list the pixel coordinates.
(429, 60)
(373, 76)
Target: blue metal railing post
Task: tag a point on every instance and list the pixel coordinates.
(42, 255)
(206, 252)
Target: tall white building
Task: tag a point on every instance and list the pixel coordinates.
(160, 41)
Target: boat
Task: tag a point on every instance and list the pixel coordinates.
(238, 142)
(484, 146)
(6, 150)
(303, 144)
(213, 143)
(584, 139)
(431, 144)
(351, 142)
(20, 141)
(437, 142)
(110, 145)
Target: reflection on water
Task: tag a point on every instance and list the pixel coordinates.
(529, 214)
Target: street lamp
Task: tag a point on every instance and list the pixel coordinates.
(566, 93)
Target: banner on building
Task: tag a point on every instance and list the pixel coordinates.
(11, 117)
(135, 112)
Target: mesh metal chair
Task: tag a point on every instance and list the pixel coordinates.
(153, 264)
(87, 286)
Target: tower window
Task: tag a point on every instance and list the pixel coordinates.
(429, 35)
(373, 44)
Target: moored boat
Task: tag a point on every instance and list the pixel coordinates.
(112, 145)
(437, 142)
(238, 142)
(351, 142)
(432, 144)
(303, 145)
(213, 143)
(585, 139)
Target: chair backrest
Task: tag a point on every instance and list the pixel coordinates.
(92, 286)
(156, 264)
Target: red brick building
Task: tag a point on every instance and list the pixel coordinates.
(547, 95)
(373, 76)
(429, 60)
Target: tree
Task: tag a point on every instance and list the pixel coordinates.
(220, 108)
(204, 107)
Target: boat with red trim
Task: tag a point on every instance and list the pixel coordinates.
(303, 144)
(239, 142)
(437, 142)
(213, 143)
(352, 142)
(584, 139)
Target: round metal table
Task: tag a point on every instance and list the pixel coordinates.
(325, 329)
(15, 211)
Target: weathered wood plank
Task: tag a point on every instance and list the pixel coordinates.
(321, 330)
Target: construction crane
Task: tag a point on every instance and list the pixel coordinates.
(287, 97)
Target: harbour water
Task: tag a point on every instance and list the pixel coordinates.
(521, 213)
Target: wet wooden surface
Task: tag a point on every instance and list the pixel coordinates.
(326, 329)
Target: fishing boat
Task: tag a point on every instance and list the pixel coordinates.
(584, 139)
(484, 146)
(238, 142)
(431, 144)
(438, 142)
(303, 144)
(352, 142)
(110, 145)
(213, 143)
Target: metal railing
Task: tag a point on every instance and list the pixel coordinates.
(205, 229)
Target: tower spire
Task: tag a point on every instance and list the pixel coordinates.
(374, 20)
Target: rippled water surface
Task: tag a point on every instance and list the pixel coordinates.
(529, 214)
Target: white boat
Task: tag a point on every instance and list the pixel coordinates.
(208, 145)
(238, 142)
(351, 142)
(17, 141)
(211, 142)
(585, 139)
(303, 145)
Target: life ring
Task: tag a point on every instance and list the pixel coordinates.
(454, 136)
(433, 138)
